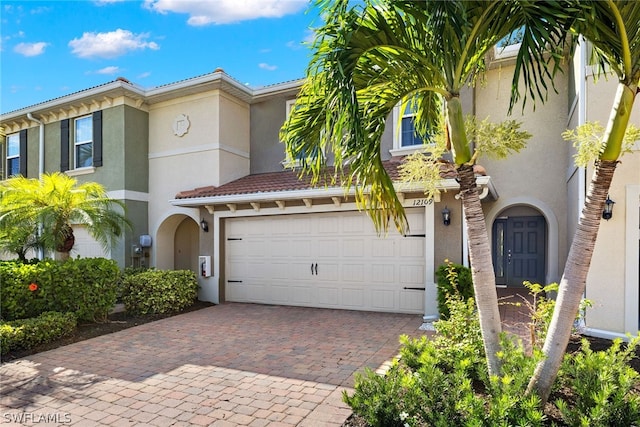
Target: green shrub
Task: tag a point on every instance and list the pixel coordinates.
(84, 286)
(27, 333)
(159, 291)
(602, 383)
(454, 280)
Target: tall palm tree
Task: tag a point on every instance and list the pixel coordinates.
(612, 28)
(368, 58)
(56, 202)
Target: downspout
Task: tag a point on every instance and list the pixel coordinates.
(582, 118)
(40, 168)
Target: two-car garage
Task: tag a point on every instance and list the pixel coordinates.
(328, 260)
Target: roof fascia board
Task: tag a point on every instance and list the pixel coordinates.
(114, 88)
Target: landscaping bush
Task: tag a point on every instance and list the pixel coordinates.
(27, 333)
(85, 286)
(602, 384)
(159, 291)
(453, 280)
(443, 380)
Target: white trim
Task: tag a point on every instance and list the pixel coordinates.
(137, 196)
(601, 333)
(199, 149)
(431, 311)
(552, 229)
(81, 171)
(632, 269)
(398, 149)
(509, 51)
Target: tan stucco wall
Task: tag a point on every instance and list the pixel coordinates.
(214, 151)
(607, 282)
(536, 176)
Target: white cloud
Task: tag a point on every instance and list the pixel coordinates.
(267, 67)
(144, 75)
(226, 11)
(109, 70)
(30, 49)
(110, 45)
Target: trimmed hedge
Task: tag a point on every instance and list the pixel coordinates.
(86, 287)
(159, 291)
(454, 280)
(27, 333)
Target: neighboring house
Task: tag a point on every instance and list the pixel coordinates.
(201, 168)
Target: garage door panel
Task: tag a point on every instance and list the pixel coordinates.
(300, 294)
(353, 272)
(412, 275)
(276, 258)
(353, 298)
(411, 300)
(383, 273)
(353, 248)
(383, 299)
(328, 296)
(299, 248)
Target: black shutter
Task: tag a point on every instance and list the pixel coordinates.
(64, 145)
(97, 138)
(23, 152)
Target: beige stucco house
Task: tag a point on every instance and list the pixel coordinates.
(201, 164)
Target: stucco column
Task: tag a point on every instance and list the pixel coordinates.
(430, 290)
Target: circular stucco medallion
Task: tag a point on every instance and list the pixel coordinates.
(181, 124)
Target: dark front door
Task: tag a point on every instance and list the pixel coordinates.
(519, 245)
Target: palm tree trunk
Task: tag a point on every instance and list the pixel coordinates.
(573, 282)
(484, 281)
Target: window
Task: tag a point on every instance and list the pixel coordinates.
(13, 154)
(405, 139)
(288, 162)
(83, 142)
(508, 46)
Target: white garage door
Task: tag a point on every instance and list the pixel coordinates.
(330, 260)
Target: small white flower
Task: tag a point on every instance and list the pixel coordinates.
(404, 416)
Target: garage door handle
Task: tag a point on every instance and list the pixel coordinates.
(234, 281)
(316, 269)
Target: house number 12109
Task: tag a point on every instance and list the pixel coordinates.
(422, 202)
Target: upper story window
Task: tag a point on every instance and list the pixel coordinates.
(289, 162)
(13, 154)
(508, 46)
(83, 142)
(405, 138)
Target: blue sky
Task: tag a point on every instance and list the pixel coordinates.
(52, 48)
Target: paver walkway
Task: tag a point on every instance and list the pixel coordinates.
(227, 365)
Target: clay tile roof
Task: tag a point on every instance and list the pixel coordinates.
(289, 180)
(286, 180)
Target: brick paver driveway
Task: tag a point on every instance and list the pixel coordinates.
(231, 364)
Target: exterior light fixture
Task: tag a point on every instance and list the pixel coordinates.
(204, 225)
(446, 216)
(607, 213)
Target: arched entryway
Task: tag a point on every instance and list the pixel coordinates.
(176, 243)
(519, 246)
(185, 246)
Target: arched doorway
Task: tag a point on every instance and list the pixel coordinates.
(519, 246)
(186, 245)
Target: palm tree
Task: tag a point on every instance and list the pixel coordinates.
(612, 29)
(56, 202)
(370, 57)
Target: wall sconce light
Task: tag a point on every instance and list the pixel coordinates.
(607, 213)
(446, 216)
(204, 225)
